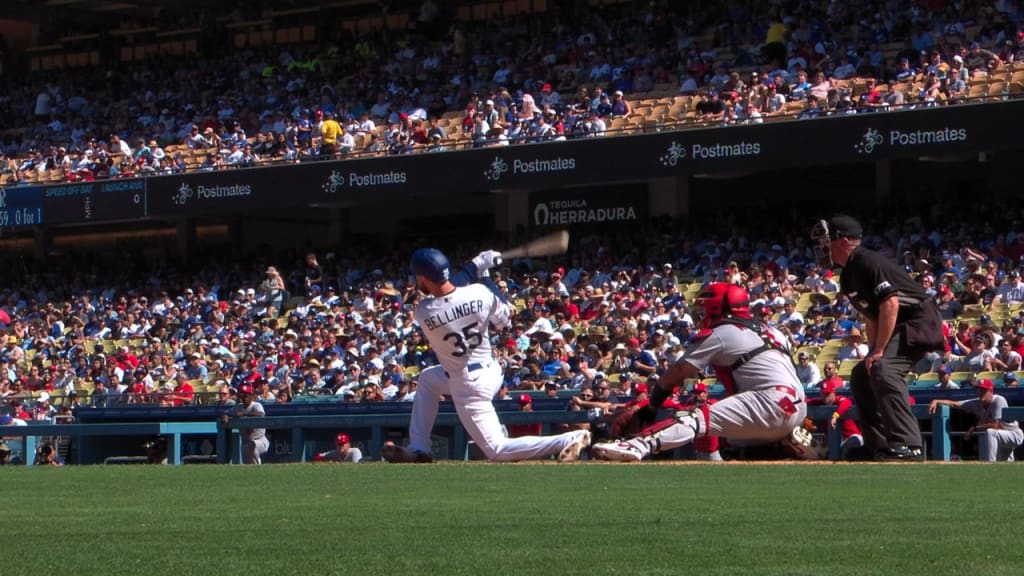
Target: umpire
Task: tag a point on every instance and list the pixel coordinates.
(902, 325)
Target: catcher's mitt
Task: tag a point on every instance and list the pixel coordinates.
(631, 420)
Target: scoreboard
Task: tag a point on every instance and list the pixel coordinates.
(94, 201)
(77, 203)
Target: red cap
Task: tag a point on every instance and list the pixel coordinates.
(984, 383)
(342, 438)
(700, 387)
(640, 388)
(546, 88)
(634, 342)
(827, 387)
(245, 389)
(525, 399)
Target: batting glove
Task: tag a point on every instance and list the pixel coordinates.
(486, 260)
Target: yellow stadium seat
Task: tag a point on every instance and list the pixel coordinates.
(995, 376)
(926, 380)
(846, 368)
(960, 377)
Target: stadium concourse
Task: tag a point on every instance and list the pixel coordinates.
(454, 77)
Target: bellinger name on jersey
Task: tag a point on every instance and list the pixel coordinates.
(435, 321)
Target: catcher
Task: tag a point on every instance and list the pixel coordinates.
(765, 400)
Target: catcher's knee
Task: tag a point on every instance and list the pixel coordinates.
(693, 419)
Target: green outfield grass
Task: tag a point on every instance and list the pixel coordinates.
(485, 519)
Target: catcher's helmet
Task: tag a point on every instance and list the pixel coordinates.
(430, 263)
(721, 300)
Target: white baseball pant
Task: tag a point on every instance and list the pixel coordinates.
(473, 392)
(758, 415)
(998, 445)
(253, 450)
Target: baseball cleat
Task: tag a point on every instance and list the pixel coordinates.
(619, 451)
(571, 453)
(400, 455)
(900, 453)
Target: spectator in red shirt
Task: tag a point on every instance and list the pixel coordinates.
(852, 437)
(831, 377)
(183, 394)
(520, 430)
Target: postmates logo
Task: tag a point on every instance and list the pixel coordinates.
(869, 141)
(185, 192)
(873, 139)
(337, 180)
(677, 152)
(499, 167)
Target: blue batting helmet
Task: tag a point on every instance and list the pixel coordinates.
(430, 263)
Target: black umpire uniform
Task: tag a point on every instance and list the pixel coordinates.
(869, 279)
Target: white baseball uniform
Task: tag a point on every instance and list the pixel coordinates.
(254, 440)
(994, 444)
(767, 399)
(457, 326)
(765, 405)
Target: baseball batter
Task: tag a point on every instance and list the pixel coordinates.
(751, 359)
(456, 321)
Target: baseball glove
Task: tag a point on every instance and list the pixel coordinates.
(809, 425)
(631, 420)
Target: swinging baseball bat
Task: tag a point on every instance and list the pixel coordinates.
(552, 244)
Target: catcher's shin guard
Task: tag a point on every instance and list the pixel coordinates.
(671, 433)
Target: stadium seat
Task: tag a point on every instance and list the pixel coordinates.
(995, 376)
(960, 377)
(845, 368)
(926, 380)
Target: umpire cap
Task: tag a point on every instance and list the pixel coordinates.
(838, 226)
(430, 263)
(843, 226)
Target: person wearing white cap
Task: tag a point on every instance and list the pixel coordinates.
(43, 411)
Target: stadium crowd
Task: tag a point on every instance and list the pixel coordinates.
(385, 93)
(338, 325)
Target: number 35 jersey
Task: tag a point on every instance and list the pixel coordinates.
(456, 325)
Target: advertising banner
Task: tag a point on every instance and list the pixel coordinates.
(580, 206)
(860, 138)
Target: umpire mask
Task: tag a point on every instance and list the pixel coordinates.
(827, 231)
(822, 244)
